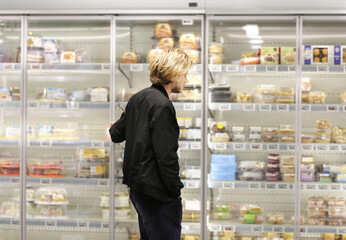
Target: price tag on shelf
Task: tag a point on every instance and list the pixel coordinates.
(283, 107)
(255, 146)
(291, 147)
(257, 229)
(15, 221)
(72, 105)
(332, 108)
(215, 68)
(220, 146)
(271, 186)
(193, 68)
(106, 67)
(249, 107)
(189, 107)
(344, 108)
(310, 187)
(306, 108)
(185, 227)
(232, 68)
(196, 145)
(341, 230)
(103, 182)
(46, 143)
(278, 229)
(250, 68)
(33, 104)
(8, 66)
(254, 185)
(35, 66)
(283, 186)
(97, 144)
(303, 229)
(307, 147)
(321, 147)
(228, 185)
(105, 225)
(271, 68)
(343, 148)
(224, 107)
(183, 145)
(302, 186)
(322, 68)
(229, 228)
(335, 187)
(187, 22)
(46, 181)
(334, 148)
(215, 228)
(50, 223)
(191, 184)
(292, 68)
(136, 67)
(14, 180)
(265, 107)
(239, 146)
(323, 187)
(273, 146)
(344, 187)
(83, 224)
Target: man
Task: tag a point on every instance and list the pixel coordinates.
(151, 131)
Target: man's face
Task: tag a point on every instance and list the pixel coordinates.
(178, 85)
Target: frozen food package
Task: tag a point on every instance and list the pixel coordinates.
(322, 139)
(273, 177)
(317, 97)
(307, 177)
(268, 138)
(50, 45)
(5, 94)
(216, 58)
(305, 97)
(288, 55)
(253, 166)
(166, 43)
(68, 57)
(163, 30)
(307, 138)
(275, 218)
(287, 168)
(266, 89)
(288, 177)
(322, 124)
(336, 201)
(270, 55)
(129, 57)
(249, 58)
(218, 126)
(307, 168)
(255, 138)
(242, 97)
(323, 132)
(315, 201)
(238, 138)
(220, 137)
(99, 94)
(307, 159)
(287, 129)
(216, 48)
(34, 40)
(285, 99)
(188, 41)
(251, 209)
(306, 84)
(343, 97)
(193, 54)
(287, 138)
(321, 55)
(250, 176)
(153, 53)
(260, 98)
(270, 131)
(285, 91)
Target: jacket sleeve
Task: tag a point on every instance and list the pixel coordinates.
(118, 129)
(165, 133)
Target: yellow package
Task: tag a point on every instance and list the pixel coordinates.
(288, 235)
(328, 236)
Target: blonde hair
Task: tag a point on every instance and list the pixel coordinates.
(168, 65)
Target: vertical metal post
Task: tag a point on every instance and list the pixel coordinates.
(298, 119)
(112, 119)
(23, 123)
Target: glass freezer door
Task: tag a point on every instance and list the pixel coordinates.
(138, 41)
(10, 94)
(68, 112)
(251, 127)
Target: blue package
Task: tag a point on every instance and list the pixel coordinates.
(223, 158)
(337, 54)
(307, 54)
(222, 176)
(223, 167)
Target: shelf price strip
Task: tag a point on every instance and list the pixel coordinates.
(273, 146)
(215, 68)
(8, 66)
(228, 185)
(291, 68)
(323, 187)
(83, 224)
(229, 228)
(46, 181)
(136, 67)
(257, 229)
(270, 68)
(283, 107)
(50, 223)
(196, 145)
(250, 68)
(105, 225)
(335, 187)
(215, 228)
(232, 68)
(265, 107)
(271, 186)
(14, 180)
(341, 230)
(15, 221)
(249, 107)
(189, 107)
(224, 107)
(278, 229)
(310, 187)
(333, 108)
(283, 186)
(254, 185)
(103, 182)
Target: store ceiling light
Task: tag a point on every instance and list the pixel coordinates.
(251, 30)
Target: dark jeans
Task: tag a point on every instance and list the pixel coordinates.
(157, 220)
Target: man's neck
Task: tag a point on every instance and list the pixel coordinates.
(168, 88)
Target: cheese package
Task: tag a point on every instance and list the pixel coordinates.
(270, 55)
(129, 57)
(193, 54)
(153, 53)
(166, 43)
(248, 58)
(68, 57)
(188, 41)
(288, 55)
(163, 30)
(99, 94)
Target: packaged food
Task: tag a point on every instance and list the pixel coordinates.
(119, 213)
(285, 99)
(99, 94)
(320, 54)
(268, 138)
(322, 124)
(193, 54)
(255, 138)
(5, 94)
(287, 138)
(273, 168)
(220, 137)
(218, 126)
(337, 211)
(255, 130)
(307, 168)
(287, 160)
(251, 219)
(273, 158)
(238, 130)
(307, 159)
(260, 98)
(254, 166)
(287, 129)
(287, 169)
(324, 177)
(307, 138)
(34, 40)
(249, 58)
(336, 201)
(251, 209)
(153, 53)
(317, 97)
(305, 97)
(323, 132)
(335, 221)
(225, 207)
(51, 195)
(50, 45)
(266, 89)
(306, 84)
(242, 97)
(216, 48)
(30, 194)
(307, 177)
(238, 138)
(216, 58)
(275, 218)
(270, 55)
(222, 215)
(47, 169)
(341, 178)
(190, 172)
(322, 139)
(270, 131)
(272, 176)
(11, 209)
(68, 57)
(316, 220)
(315, 201)
(250, 176)
(316, 211)
(343, 97)
(163, 30)
(285, 91)
(288, 177)
(193, 81)
(129, 57)
(166, 43)
(188, 41)
(220, 96)
(51, 211)
(288, 55)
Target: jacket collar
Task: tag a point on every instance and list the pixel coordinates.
(161, 89)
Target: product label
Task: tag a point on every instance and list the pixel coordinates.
(196, 145)
(307, 54)
(265, 107)
(273, 146)
(239, 146)
(337, 55)
(229, 228)
(46, 181)
(254, 185)
(283, 186)
(250, 68)
(189, 107)
(220, 146)
(228, 185)
(282, 107)
(224, 107)
(8, 66)
(257, 229)
(215, 68)
(307, 147)
(232, 68)
(50, 223)
(83, 224)
(271, 186)
(272, 68)
(249, 107)
(306, 108)
(136, 67)
(256, 146)
(333, 108)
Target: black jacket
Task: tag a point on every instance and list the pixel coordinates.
(151, 131)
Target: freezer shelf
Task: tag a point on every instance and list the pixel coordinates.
(185, 106)
(250, 185)
(143, 67)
